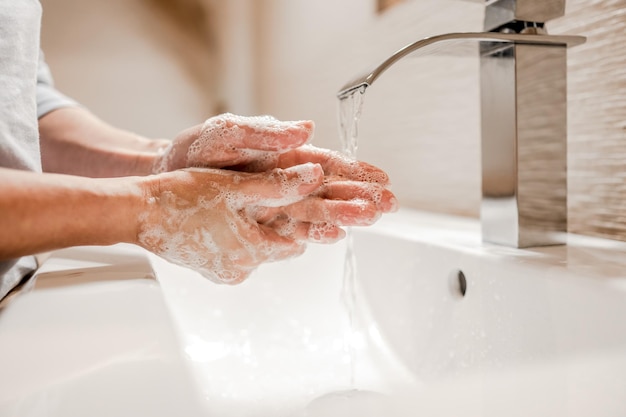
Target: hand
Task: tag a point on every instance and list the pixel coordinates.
(336, 202)
(228, 140)
(259, 144)
(205, 219)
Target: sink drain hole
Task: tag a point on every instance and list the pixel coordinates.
(458, 283)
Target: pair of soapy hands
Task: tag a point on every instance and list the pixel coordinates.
(236, 192)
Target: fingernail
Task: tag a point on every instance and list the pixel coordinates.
(363, 213)
(392, 205)
(323, 233)
(307, 127)
(307, 124)
(334, 239)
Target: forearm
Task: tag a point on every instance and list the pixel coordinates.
(74, 141)
(42, 212)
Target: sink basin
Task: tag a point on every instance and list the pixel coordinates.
(443, 325)
(93, 338)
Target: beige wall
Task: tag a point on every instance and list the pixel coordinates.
(131, 63)
(597, 117)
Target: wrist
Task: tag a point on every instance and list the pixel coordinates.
(135, 198)
(148, 214)
(160, 154)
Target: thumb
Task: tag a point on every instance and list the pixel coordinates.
(280, 187)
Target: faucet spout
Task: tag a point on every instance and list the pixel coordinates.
(456, 44)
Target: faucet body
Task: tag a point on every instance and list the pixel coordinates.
(523, 77)
(524, 129)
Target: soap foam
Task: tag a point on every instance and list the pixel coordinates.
(318, 232)
(242, 137)
(164, 159)
(342, 165)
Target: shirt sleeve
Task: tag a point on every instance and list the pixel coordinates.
(48, 97)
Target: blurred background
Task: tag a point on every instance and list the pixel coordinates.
(159, 66)
(156, 66)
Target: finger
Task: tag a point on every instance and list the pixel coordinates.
(230, 276)
(261, 133)
(262, 244)
(281, 187)
(341, 213)
(174, 155)
(311, 232)
(334, 164)
(351, 190)
(325, 233)
(229, 140)
(278, 247)
(277, 136)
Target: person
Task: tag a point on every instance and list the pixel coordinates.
(222, 197)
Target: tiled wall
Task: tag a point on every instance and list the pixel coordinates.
(597, 117)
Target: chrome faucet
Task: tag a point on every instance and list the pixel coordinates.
(523, 116)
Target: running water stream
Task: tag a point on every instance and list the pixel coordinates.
(351, 401)
(349, 114)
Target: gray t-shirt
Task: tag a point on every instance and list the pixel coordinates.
(26, 93)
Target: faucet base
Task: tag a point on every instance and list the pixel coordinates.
(499, 221)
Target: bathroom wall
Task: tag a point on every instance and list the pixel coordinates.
(420, 121)
(597, 117)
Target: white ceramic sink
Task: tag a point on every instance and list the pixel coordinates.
(541, 329)
(537, 332)
(94, 338)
